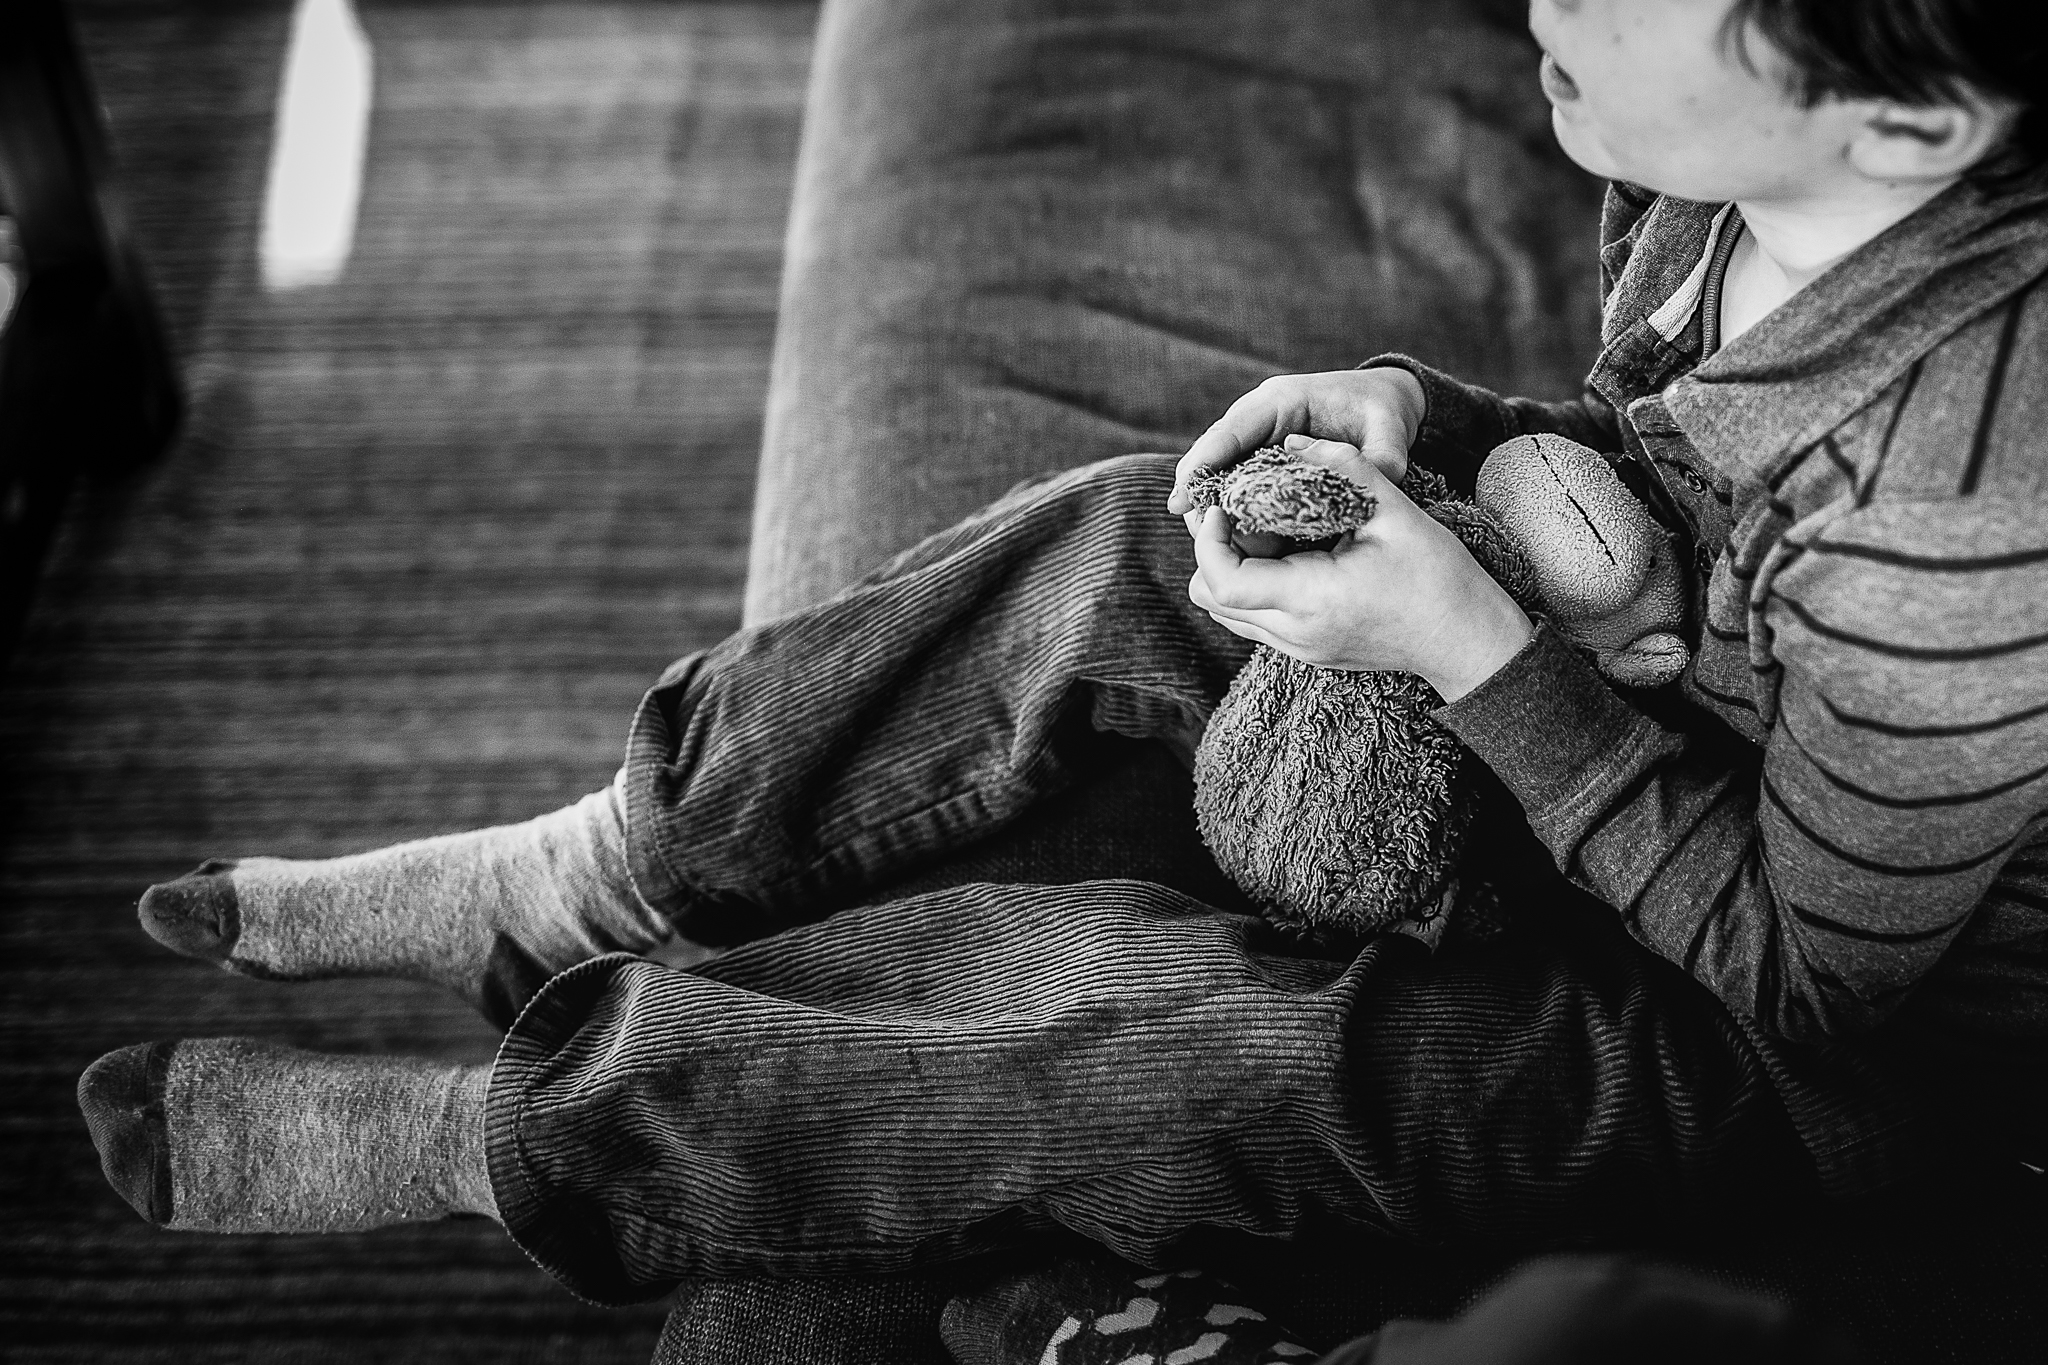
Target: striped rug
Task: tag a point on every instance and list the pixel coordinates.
(429, 532)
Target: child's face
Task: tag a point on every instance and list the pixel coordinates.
(1653, 92)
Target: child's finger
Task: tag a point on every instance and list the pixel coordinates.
(1388, 457)
(1252, 421)
(1211, 451)
(1341, 456)
(1348, 459)
(1330, 454)
(1233, 580)
(1393, 503)
(1212, 531)
(1271, 625)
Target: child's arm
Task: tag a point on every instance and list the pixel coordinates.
(1809, 883)
(1389, 409)
(1463, 422)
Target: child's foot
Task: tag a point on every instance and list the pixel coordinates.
(232, 1135)
(491, 914)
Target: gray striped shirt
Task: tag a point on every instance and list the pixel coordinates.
(1849, 810)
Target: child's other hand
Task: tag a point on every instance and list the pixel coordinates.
(1400, 593)
(1355, 417)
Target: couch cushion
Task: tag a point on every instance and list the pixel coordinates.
(1031, 233)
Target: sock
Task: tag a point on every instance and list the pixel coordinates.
(491, 914)
(234, 1135)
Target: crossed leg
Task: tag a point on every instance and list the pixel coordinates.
(767, 779)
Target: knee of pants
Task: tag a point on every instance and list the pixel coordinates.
(1142, 469)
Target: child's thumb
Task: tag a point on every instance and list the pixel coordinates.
(1347, 459)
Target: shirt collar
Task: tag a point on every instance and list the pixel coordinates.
(1676, 313)
(1800, 372)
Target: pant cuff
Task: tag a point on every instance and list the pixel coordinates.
(567, 1235)
(648, 779)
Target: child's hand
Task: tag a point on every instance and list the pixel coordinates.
(1401, 592)
(1356, 417)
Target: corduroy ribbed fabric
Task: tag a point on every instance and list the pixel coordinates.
(806, 759)
(913, 1083)
(902, 1084)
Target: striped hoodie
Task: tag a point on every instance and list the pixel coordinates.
(1843, 814)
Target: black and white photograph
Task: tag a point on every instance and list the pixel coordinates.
(1023, 682)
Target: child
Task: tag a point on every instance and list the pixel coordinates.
(1824, 362)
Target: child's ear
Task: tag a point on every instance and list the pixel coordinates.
(1895, 141)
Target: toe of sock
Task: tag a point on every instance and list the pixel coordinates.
(197, 915)
(121, 1096)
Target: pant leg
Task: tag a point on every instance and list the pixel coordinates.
(811, 757)
(915, 1082)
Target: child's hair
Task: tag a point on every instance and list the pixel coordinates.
(1917, 51)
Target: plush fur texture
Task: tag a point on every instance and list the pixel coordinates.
(1332, 797)
(1607, 573)
(1272, 493)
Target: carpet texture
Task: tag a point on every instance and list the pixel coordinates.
(428, 534)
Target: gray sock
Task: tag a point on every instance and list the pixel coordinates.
(234, 1135)
(492, 914)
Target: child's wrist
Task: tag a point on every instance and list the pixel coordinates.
(1483, 650)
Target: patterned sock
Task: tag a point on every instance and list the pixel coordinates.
(1103, 1312)
(233, 1135)
(491, 914)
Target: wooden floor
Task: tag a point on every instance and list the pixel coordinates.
(429, 532)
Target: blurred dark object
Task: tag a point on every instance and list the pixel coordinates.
(86, 382)
(1607, 1310)
(1089, 1308)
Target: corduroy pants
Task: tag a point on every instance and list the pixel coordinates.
(905, 1083)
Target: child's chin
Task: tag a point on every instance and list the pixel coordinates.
(1582, 147)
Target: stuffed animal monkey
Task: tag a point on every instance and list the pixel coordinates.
(1334, 798)
(1605, 571)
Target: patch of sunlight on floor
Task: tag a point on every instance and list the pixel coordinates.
(316, 154)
